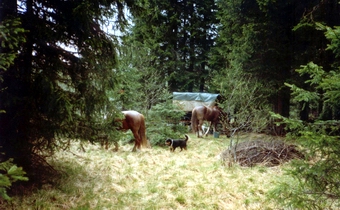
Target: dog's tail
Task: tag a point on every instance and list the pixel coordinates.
(186, 137)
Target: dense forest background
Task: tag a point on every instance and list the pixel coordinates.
(263, 56)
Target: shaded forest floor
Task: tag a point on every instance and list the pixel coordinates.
(152, 179)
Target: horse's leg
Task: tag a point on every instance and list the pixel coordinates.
(104, 141)
(137, 141)
(214, 126)
(206, 133)
(199, 128)
(194, 127)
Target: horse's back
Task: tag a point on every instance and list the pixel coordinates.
(206, 113)
(131, 113)
(132, 119)
(136, 123)
(199, 110)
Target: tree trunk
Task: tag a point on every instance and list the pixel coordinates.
(282, 107)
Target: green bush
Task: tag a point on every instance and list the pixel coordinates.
(164, 122)
(9, 173)
(11, 37)
(314, 182)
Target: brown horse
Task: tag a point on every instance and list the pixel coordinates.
(202, 113)
(136, 123)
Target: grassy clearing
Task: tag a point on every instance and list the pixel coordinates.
(152, 179)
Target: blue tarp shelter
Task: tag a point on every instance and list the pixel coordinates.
(186, 101)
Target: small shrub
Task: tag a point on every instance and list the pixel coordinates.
(9, 173)
(164, 122)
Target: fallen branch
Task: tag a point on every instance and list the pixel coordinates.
(268, 153)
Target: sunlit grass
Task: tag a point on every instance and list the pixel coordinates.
(152, 179)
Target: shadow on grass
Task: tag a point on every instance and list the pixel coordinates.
(56, 175)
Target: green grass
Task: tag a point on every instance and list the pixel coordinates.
(152, 179)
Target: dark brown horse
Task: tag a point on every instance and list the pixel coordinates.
(201, 114)
(135, 122)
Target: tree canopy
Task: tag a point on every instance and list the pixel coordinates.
(55, 89)
(178, 36)
(62, 75)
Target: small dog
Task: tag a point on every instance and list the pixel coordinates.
(174, 143)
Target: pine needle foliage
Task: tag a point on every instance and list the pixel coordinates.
(9, 173)
(178, 37)
(56, 88)
(11, 37)
(316, 178)
(164, 121)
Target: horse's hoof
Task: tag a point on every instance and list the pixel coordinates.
(135, 150)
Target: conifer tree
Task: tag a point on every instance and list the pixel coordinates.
(314, 180)
(56, 88)
(178, 36)
(263, 39)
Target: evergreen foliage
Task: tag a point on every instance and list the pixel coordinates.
(144, 84)
(177, 36)
(56, 88)
(12, 37)
(60, 79)
(9, 173)
(316, 179)
(262, 38)
(243, 100)
(164, 122)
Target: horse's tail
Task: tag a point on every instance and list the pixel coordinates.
(142, 133)
(194, 120)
